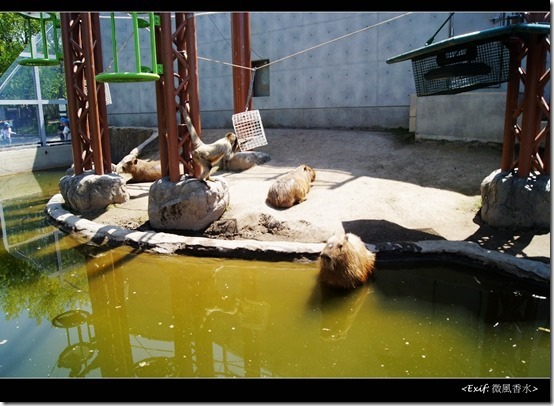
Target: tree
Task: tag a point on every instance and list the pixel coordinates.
(14, 35)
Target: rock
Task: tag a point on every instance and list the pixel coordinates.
(71, 170)
(189, 204)
(515, 202)
(245, 160)
(89, 192)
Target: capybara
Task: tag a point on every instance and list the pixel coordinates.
(141, 170)
(292, 187)
(345, 262)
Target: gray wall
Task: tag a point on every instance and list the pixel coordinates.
(26, 159)
(345, 83)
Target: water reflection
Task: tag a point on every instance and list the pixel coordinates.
(77, 356)
(74, 310)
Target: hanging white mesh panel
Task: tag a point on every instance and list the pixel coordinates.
(249, 129)
(108, 94)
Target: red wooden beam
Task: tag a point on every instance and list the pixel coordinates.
(242, 62)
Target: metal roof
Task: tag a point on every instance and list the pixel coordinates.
(520, 30)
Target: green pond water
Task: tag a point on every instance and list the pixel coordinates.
(73, 310)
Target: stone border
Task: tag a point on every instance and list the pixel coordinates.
(166, 243)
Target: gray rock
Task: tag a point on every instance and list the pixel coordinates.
(189, 204)
(515, 202)
(245, 160)
(89, 192)
(71, 170)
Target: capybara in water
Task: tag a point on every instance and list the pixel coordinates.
(141, 170)
(345, 262)
(292, 187)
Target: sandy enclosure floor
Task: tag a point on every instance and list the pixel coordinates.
(382, 186)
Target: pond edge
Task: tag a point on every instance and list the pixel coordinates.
(168, 244)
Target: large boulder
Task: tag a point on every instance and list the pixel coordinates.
(516, 202)
(189, 204)
(89, 192)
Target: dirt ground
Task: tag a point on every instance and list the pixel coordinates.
(382, 186)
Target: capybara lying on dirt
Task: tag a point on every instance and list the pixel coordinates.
(292, 187)
(345, 262)
(141, 170)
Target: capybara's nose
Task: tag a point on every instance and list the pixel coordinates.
(324, 257)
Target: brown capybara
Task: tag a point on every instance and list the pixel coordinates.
(292, 187)
(141, 170)
(345, 262)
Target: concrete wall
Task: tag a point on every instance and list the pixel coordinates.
(24, 159)
(471, 116)
(326, 69)
(34, 158)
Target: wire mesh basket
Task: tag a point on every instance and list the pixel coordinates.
(461, 69)
(249, 130)
(254, 314)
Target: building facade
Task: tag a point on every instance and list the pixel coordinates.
(314, 70)
(319, 70)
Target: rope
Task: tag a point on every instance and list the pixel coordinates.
(311, 48)
(251, 87)
(289, 56)
(337, 39)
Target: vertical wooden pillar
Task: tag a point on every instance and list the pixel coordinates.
(168, 129)
(193, 88)
(240, 33)
(101, 94)
(91, 96)
(72, 49)
(160, 106)
(86, 99)
(188, 87)
(531, 112)
(177, 88)
(512, 98)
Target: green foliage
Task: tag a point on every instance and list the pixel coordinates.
(14, 34)
(37, 274)
(24, 287)
(20, 86)
(52, 82)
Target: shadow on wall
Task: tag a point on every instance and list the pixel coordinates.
(124, 139)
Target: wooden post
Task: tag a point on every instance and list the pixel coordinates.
(169, 98)
(242, 76)
(100, 88)
(511, 113)
(531, 110)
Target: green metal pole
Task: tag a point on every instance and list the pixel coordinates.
(137, 42)
(44, 42)
(30, 38)
(153, 44)
(114, 43)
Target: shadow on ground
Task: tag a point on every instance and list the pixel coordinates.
(395, 155)
(508, 241)
(378, 231)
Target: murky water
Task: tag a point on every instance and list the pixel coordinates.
(72, 310)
